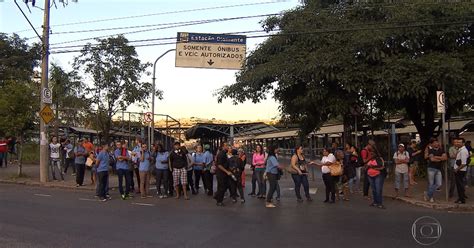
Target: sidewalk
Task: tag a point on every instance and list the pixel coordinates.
(416, 193)
(8, 175)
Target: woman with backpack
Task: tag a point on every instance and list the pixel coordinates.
(236, 166)
(299, 173)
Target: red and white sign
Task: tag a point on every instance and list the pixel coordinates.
(148, 117)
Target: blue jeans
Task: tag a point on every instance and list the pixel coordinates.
(435, 180)
(301, 180)
(376, 183)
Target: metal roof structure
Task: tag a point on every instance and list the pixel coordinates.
(212, 130)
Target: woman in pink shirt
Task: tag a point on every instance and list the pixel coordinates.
(258, 161)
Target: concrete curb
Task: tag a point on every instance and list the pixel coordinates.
(437, 206)
(48, 185)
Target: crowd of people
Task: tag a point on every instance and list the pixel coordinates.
(8, 153)
(179, 173)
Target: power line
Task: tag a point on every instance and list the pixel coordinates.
(170, 25)
(158, 39)
(398, 23)
(321, 31)
(164, 13)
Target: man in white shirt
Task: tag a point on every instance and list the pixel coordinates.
(54, 149)
(460, 168)
(401, 158)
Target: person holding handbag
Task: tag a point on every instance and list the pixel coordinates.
(326, 161)
(299, 173)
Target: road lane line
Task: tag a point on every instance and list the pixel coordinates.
(143, 204)
(42, 195)
(87, 199)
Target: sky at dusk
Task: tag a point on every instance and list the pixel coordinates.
(188, 92)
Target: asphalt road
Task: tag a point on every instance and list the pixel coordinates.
(44, 217)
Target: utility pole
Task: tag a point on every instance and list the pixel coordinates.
(152, 133)
(44, 85)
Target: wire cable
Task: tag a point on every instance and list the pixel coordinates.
(321, 31)
(162, 13)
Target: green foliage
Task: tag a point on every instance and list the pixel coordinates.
(18, 93)
(384, 58)
(115, 70)
(17, 58)
(19, 103)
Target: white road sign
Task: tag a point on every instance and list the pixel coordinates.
(46, 96)
(215, 51)
(440, 101)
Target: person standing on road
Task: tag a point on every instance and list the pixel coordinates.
(258, 161)
(144, 170)
(55, 162)
(401, 159)
(179, 163)
(208, 177)
(366, 157)
(355, 166)
(68, 148)
(243, 157)
(326, 161)
(135, 164)
(460, 168)
(415, 157)
(3, 152)
(198, 164)
(374, 171)
(102, 163)
(162, 172)
(254, 180)
(435, 156)
(236, 166)
(271, 173)
(189, 170)
(88, 145)
(80, 156)
(452, 154)
(223, 174)
(122, 166)
(299, 172)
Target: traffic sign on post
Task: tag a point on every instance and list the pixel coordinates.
(214, 51)
(47, 114)
(148, 117)
(440, 102)
(46, 96)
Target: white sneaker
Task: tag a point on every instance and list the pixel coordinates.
(270, 205)
(432, 200)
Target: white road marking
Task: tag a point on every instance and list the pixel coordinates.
(143, 204)
(87, 199)
(43, 195)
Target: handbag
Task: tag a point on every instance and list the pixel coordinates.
(336, 169)
(89, 162)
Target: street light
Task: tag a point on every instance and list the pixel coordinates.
(153, 96)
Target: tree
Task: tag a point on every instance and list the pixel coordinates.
(19, 99)
(68, 96)
(391, 57)
(114, 70)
